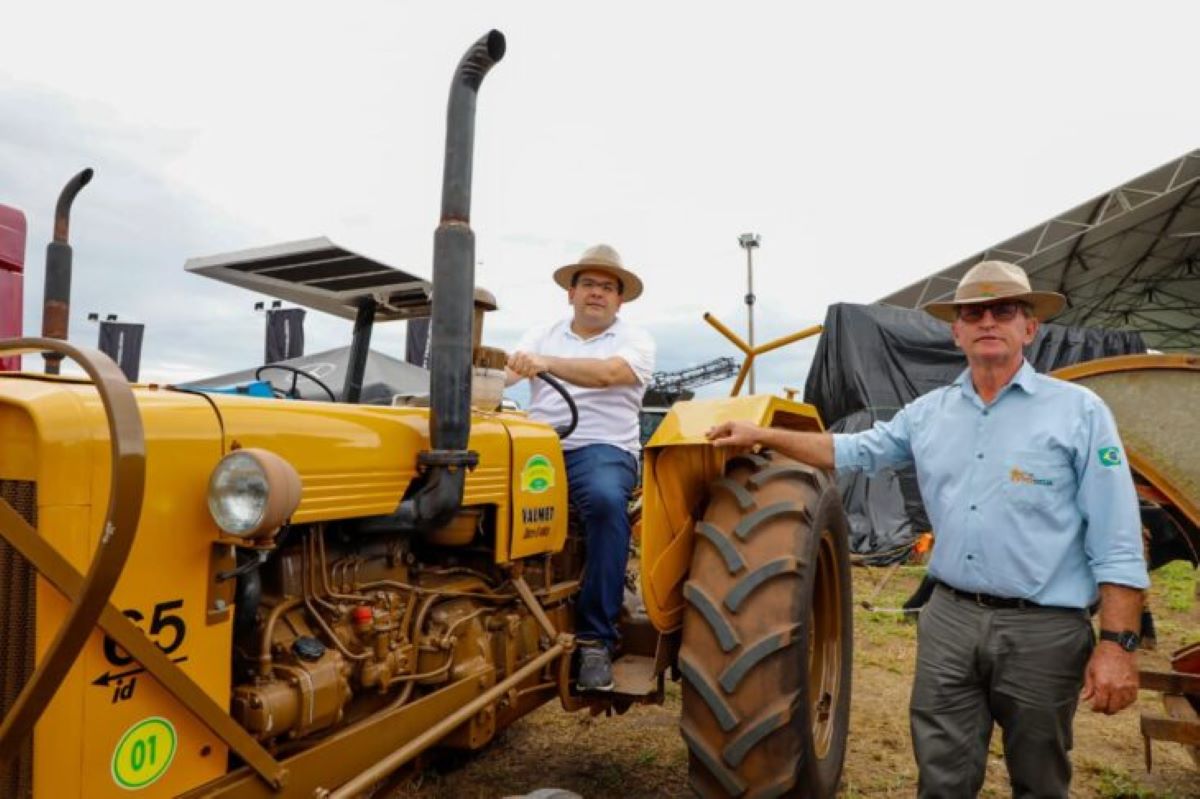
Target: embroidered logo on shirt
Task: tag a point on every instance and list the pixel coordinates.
(1021, 476)
(1109, 456)
(538, 475)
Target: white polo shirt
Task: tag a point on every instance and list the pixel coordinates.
(606, 415)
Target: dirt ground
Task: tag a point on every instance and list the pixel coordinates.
(641, 754)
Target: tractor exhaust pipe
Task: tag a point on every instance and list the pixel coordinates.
(447, 460)
(56, 307)
(454, 256)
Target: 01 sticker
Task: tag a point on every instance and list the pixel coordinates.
(144, 753)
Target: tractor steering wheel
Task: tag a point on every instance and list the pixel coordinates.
(552, 381)
(292, 393)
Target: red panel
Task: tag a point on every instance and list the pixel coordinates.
(12, 264)
(10, 314)
(1187, 659)
(12, 239)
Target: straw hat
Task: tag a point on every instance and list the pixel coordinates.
(997, 280)
(605, 259)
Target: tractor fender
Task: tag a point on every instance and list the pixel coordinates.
(679, 468)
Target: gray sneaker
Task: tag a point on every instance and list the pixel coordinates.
(595, 669)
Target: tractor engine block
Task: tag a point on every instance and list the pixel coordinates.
(346, 626)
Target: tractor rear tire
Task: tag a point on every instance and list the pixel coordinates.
(767, 634)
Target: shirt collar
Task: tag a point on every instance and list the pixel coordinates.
(1025, 378)
(611, 330)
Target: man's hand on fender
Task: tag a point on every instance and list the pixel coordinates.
(1110, 682)
(734, 434)
(528, 364)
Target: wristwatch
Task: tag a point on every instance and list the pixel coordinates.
(1126, 639)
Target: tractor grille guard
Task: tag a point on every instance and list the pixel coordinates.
(18, 617)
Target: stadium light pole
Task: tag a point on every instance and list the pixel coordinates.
(750, 242)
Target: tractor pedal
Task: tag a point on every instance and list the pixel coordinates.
(633, 675)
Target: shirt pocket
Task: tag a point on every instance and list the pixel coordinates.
(1037, 480)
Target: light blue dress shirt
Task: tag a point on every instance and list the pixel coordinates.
(1029, 497)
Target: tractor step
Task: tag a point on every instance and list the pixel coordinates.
(633, 675)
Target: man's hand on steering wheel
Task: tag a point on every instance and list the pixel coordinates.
(528, 364)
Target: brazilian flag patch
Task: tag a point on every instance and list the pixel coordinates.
(1110, 456)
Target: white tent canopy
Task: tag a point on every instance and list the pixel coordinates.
(1126, 260)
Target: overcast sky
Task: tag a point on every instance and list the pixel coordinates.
(868, 143)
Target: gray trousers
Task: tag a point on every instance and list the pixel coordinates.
(1020, 668)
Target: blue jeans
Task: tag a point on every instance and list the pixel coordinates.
(601, 479)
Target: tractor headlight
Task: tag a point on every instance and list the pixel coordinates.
(252, 492)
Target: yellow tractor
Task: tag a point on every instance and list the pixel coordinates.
(209, 594)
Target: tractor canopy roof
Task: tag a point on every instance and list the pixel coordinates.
(323, 276)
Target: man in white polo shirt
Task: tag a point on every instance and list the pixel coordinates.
(604, 363)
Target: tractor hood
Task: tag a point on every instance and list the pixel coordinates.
(353, 460)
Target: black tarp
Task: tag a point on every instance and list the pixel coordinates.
(871, 360)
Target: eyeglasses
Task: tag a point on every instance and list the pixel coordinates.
(607, 286)
(1001, 311)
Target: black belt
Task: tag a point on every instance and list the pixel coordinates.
(989, 601)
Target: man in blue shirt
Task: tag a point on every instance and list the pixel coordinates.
(1031, 499)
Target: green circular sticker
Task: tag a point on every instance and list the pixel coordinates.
(144, 753)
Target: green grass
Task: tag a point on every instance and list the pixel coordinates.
(879, 628)
(609, 777)
(1175, 585)
(1118, 784)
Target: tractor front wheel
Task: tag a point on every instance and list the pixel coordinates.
(767, 641)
